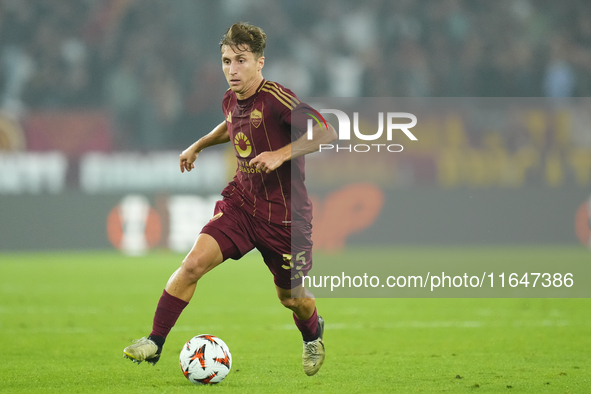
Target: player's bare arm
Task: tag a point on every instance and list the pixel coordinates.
(219, 135)
(271, 160)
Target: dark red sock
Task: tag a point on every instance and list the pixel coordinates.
(167, 312)
(308, 328)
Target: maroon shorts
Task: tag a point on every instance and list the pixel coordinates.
(287, 251)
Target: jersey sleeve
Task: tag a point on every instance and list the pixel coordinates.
(290, 109)
(299, 116)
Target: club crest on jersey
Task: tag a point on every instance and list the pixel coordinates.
(256, 118)
(242, 145)
(229, 117)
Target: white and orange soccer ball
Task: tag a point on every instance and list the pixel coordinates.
(205, 359)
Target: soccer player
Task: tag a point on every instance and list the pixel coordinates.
(256, 209)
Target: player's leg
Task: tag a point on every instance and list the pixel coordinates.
(309, 323)
(300, 301)
(203, 257)
(304, 312)
(288, 255)
(222, 238)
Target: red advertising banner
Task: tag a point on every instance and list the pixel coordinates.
(71, 132)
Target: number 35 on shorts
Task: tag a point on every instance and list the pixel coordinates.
(300, 261)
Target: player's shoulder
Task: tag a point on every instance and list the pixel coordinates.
(228, 95)
(279, 95)
(277, 87)
(228, 100)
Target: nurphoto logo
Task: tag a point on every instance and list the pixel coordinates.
(344, 130)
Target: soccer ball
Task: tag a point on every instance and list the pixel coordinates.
(205, 359)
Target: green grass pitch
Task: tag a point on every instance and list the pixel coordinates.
(65, 318)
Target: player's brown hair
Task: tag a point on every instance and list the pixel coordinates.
(241, 34)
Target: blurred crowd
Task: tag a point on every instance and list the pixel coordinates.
(155, 65)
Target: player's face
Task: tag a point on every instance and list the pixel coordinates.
(242, 70)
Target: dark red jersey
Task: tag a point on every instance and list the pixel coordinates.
(263, 122)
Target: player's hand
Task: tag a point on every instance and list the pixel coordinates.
(267, 161)
(187, 158)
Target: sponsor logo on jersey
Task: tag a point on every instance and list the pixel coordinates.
(242, 145)
(243, 166)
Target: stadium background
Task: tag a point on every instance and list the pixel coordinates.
(98, 98)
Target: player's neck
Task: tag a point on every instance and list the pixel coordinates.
(252, 89)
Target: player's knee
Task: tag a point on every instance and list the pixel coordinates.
(290, 303)
(194, 267)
